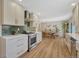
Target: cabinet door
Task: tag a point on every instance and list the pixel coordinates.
(22, 45)
(0, 11)
(9, 12)
(10, 48)
(39, 37)
(26, 43)
(19, 15)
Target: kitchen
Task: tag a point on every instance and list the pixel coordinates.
(22, 31)
(13, 31)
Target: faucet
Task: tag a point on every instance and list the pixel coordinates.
(17, 30)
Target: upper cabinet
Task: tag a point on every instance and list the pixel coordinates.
(13, 13)
(9, 12)
(19, 15)
(0, 11)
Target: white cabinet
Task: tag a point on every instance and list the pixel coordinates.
(16, 46)
(13, 13)
(0, 17)
(9, 12)
(39, 37)
(21, 45)
(0, 11)
(10, 49)
(19, 15)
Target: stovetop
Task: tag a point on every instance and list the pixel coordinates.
(24, 32)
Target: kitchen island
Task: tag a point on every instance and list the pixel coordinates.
(74, 37)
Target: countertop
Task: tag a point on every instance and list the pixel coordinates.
(13, 36)
(17, 35)
(74, 35)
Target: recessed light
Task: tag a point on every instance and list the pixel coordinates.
(20, 0)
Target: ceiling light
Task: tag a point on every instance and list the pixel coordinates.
(20, 0)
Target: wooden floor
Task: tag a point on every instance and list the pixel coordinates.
(49, 48)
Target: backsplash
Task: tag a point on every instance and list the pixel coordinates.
(8, 30)
(0, 30)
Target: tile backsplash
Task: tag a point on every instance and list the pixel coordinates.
(0, 30)
(7, 30)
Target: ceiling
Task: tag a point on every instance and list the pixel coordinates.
(47, 9)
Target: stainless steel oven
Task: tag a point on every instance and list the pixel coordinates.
(31, 41)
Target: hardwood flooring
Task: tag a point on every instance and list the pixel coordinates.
(49, 48)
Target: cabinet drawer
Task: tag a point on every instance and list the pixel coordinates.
(22, 45)
(16, 46)
(11, 41)
(21, 49)
(21, 40)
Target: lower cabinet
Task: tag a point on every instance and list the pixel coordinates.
(71, 45)
(39, 37)
(73, 48)
(16, 46)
